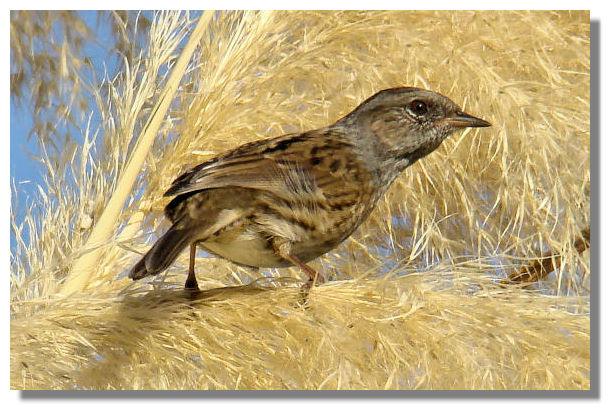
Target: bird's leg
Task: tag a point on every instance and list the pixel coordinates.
(191, 283)
(314, 277)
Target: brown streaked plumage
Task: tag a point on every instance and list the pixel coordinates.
(284, 201)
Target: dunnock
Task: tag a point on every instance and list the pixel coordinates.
(284, 201)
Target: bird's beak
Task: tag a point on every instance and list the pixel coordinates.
(463, 120)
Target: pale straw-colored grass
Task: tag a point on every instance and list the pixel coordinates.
(413, 300)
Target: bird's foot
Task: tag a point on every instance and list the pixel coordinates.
(191, 283)
(315, 278)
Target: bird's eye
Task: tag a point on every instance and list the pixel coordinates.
(418, 107)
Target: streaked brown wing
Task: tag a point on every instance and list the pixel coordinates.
(287, 163)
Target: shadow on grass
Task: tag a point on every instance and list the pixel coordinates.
(127, 329)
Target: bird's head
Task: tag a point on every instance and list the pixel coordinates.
(410, 123)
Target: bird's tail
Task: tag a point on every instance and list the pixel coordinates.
(163, 253)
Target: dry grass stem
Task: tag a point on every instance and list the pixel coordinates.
(540, 268)
(87, 264)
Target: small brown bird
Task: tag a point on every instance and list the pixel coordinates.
(284, 201)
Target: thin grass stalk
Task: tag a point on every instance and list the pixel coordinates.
(85, 266)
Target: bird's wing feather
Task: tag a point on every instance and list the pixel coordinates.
(273, 165)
